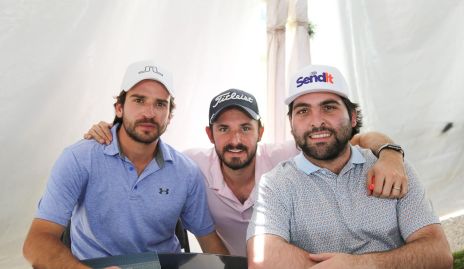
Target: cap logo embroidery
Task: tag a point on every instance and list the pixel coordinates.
(314, 77)
(151, 68)
(231, 96)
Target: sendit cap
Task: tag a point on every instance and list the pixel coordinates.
(317, 78)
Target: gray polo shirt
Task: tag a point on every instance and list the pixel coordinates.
(320, 211)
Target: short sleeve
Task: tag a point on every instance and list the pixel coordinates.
(63, 189)
(414, 209)
(272, 210)
(195, 215)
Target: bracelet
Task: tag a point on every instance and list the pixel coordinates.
(394, 147)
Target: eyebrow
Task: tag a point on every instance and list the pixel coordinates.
(325, 102)
(137, 96)
(226, 125)
(330, 102)
(144, 97)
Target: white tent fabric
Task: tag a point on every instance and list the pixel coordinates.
(61, 61)
(277, 13)
(287, 51)
(404, 61)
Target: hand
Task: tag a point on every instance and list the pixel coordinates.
(388, 176)
(339, 260)
(100, 132)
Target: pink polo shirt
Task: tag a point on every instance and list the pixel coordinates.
(230, 216)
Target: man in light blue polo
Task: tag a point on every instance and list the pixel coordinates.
(125, 197)
(316, 202)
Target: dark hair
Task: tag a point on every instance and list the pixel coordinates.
(121, 99)
(351, 107)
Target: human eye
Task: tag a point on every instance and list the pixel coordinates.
(222, 129)
(301, 110)
(328, 108)
(161, 104)
(138, 100)
(246, 128)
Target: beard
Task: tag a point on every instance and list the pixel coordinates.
(144, 137)
(235, 163)
(325, 151)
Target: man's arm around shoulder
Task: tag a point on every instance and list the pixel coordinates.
(267, 251)
(44, 249)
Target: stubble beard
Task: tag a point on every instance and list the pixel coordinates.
(235, 163)
(325, 151)
(144, 137)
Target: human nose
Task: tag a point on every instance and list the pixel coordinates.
(149, 111)
(317, 119)
(236, 137)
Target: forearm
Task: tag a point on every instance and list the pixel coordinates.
(43, 247)
(426, 252)
(371, 140)
(272, 252)
(212, 244)
(47, 251)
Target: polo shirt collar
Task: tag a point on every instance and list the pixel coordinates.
(113, 148)
(308, 167)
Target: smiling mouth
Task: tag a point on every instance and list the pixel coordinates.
(235, 150)
(317, 136)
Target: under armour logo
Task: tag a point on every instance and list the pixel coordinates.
(150, 68)
(166, 191)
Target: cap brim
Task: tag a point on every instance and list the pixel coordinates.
(293, 97)
(248, 111)
(131, 85)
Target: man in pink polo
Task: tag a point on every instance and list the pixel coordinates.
(236, 162)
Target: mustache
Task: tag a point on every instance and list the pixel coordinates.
(146, 120)
(237, 147)
(318, 129)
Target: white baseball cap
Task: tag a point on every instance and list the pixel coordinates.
(317, 78)
(142, 70)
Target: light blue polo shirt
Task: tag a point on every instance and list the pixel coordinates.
(320, 211)
(113, 210)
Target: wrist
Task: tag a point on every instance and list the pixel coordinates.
(390, 148)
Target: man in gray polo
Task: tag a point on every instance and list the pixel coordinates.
(316, 202)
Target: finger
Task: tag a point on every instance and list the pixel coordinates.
(370, 182)
(387, 188)
(404, 187)
(395, 180)
(378, 188)
(321, 256)
(93, 134)
(396, 192)
(100, 131)
(396, 186)
(105, 131)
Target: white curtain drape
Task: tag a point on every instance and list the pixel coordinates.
(277, 13)
(288, 50)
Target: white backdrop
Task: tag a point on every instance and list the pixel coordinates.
(62, 61)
